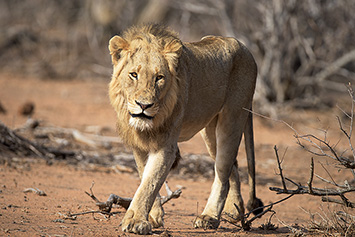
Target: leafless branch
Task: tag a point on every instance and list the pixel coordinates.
(170, 194)
(311, 177)
(344, 201)
(245, 223)
(106, 207)
(280, 169)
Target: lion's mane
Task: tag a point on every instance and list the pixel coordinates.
(168, 44)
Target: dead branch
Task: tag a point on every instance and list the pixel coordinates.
(36, 191)
(309, 138)
(323, 192)
(113, 199)
(91, 194)
(344, 201)
(351, 117)
(309, 183)
(322, 148)
(10, 141)
(106, 207)
(170, 194)
(245, 223)
(86, 138)
(280, 169)
(72, 216)
(309, 189)
(94, 140)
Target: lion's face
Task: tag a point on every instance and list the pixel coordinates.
(144, 79)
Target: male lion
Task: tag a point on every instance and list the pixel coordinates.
(165, 91)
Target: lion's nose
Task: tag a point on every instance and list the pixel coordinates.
(144, 106)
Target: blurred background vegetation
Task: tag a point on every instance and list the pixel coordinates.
(303, 48)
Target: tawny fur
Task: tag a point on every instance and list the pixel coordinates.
(165, 91)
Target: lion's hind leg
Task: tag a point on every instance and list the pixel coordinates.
(234, 198)
(227, 139)
(156, 214)
(234, 195)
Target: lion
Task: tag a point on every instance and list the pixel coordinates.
(165, 91)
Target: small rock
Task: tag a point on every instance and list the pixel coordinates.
(27, 109)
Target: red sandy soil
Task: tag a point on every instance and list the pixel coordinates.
(82, 103)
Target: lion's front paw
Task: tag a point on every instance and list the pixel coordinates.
(206, 222)
(137, 225)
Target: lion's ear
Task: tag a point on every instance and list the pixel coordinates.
(172, 51)
(116, 45)
(173, 47)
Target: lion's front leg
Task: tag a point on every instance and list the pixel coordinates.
(156, 169)
(156, 214)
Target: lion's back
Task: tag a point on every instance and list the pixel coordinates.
(217, 69)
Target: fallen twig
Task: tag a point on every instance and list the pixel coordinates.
(170, 194)
(106, 207)
(35, 190)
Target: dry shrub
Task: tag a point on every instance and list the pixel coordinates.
(302, 47)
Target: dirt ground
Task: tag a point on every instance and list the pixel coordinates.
(82, 104)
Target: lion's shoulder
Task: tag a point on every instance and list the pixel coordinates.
(217, 45)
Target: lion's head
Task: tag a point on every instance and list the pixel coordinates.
(144, 86)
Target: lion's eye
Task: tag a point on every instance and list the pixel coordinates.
(159, 77)
(133, 75)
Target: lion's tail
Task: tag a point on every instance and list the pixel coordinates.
(254, 203)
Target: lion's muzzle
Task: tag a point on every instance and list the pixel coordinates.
(142, 110)
(144, 106)
(142, 114)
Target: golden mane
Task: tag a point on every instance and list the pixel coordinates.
(158, 31)
(167, 43)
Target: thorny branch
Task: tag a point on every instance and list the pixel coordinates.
(246, 224)
(312, 190)
(280, 169)
(106, 207)
(321, 148)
